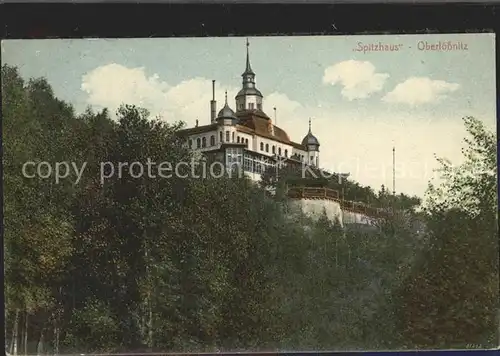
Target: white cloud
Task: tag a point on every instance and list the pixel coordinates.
(113, 84)
(420, 90)
(358, 79)
(358, 141)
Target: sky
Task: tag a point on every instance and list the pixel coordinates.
(362, 101)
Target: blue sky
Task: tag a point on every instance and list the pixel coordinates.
(361, 103)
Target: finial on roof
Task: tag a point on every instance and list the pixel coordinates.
(310, 139)
(226, 96)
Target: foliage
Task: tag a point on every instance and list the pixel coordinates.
(147, 263)
(458, 271)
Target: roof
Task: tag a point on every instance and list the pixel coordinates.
(226, 112)
(257, 122)
(250, 122)
(249, 91)
(198, 129)
(310, 139)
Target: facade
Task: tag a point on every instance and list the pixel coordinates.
(246, 137)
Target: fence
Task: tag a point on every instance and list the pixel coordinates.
(331, 194)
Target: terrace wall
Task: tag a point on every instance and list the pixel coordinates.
(315, 201)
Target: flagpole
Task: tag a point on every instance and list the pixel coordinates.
(393, 171)
(393, 183)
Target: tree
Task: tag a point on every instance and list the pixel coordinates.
(451, 298)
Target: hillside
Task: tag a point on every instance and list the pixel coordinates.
(136, 262)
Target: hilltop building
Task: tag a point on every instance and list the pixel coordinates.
(247, 136)
(248, 139)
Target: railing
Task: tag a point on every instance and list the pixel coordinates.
(313, 193)
(331, 194)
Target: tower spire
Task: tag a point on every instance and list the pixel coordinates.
(226, 97)
(310, 125)
(248, 68)
(249, 97)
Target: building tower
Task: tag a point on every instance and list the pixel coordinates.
(249, 97)
(227, 120)
(312, 145)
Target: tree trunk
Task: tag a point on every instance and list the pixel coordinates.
(148, 311)
(57, 333)
(150, 321)
(6, 314)
(14, 340)
(39, 346)
(25, 341)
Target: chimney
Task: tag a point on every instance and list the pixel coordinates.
(213, 104)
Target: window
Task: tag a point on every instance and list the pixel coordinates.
(279, 151)
(198, 142)
(262, 146)
(286, 153)
(259, 106)
(233, 138)
(258, 167)
(248, 164)
(251, 106)
(227, 136)
(234, 158)
(267, 147)
(204, 142)
(212, 140)
(190, 143)
(220, 137)
(274, 150)
(240, 106)
(312, 159)
(246, 141)
(238, 139)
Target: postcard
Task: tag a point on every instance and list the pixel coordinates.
(279, 193)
